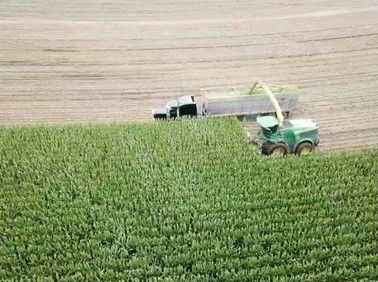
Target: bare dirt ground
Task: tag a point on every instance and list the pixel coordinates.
(79, 61)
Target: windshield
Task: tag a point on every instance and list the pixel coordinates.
(266, 132)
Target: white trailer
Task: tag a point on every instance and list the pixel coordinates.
(253, 102)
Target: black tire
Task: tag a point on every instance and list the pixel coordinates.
(160, 117)
(274, 149)
(304, 148)
(284, 115)
(264, 148)
(272, 114)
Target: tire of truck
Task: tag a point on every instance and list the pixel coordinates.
(304, 148)
(278, 149)
(273, 114)
(284, 115)
(160, 117)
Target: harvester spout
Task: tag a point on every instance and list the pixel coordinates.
(274, 102)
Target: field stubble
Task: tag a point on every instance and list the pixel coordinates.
(93, 61)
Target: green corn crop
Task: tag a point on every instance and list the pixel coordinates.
(178, 201)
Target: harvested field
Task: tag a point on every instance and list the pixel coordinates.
(80, 61)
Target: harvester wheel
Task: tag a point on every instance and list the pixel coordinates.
(304, 148)
(278, 149)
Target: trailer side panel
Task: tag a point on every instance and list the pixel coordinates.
(249, 105)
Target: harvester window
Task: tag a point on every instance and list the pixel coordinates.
(266, 131)
(273, 129)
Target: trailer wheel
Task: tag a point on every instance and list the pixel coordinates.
(284, 115)
(278, 149)
(304, 148)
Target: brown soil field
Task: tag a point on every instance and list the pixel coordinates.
(102, 61)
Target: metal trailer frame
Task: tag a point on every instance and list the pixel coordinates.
(247, 105)
(252, 103)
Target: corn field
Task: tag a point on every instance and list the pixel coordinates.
(178, 201)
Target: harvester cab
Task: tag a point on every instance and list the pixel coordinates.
(268, 124)
(281, 137)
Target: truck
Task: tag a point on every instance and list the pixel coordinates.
(252, 102)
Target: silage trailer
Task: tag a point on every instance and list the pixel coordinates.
(252, 102)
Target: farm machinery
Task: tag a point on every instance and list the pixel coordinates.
(252, 102)
(280, 137)
(270, 104)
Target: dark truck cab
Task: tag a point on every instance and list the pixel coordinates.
(183, 106)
